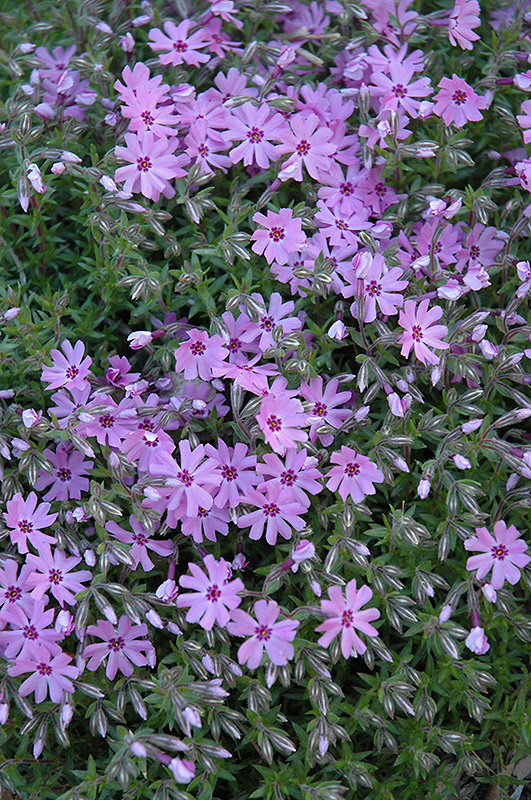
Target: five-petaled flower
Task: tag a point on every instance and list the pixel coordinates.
(420, 333)
(264, 632)
(355, 475)
(345, 617)
(122, 645)
(504, 553)
(283, 235)
(214, 596)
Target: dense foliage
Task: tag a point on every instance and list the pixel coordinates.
(264, 399)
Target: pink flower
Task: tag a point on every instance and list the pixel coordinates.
(524, 120)
(298, 473)
(397, 90)
(53, 572)
(354, 475)
(323, 408)
(277, 512)
(177, 47)
(50, 674)
(200, 354)
(275, 636)
(70, 369)
(193, 481)
(122, 646)
(309, 143)
(371, 279)
(464, 17)
(457, 102)
(67, 479)
(419, 331)
(255, 128)
(238, 472)
(139, 339)
(214, 596)
(140, 541)
(283, 235)
(152, 165)
(280, 418)
(26, 519)
(145, 113)
(476, 639)
(27, 630)
(345, 616)
(504, 553)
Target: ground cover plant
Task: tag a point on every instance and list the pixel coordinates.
(264, 399)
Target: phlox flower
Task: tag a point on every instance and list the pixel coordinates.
(205, 147)
(524, 120)
(341, 229)
(278, 511)
(50, 674)
(371, 279)
(176, 46)
(280, 418)
(70, 370)
(238, 472)
(283, 234)
(152, 165)
(250, 375)
(214, 596)
(323, 408)
(28, 629)
(26, 519)
(144, 112)
(345, 617)
(480, 248)
(205, 524)
(122, 645)
(256, 129)
(67, 479)
(193, 480)
(68, 402)
(504, 553)
(140, 541)
(464, 17)
(264, 632)
(457, 102)
(200, 354)
(278, 313)
(396, 89)
(419, 331)
(136, 78)
(145, 446)
(111, 423)
(15, 590)
(477, 640)
(308, 143)
(297, 473)
(354, 476)
(52, 571)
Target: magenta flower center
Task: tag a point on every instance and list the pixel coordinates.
(213, 593)
(288, 477)
(274, 423)
(474, 252)
(416, 332)
(341, 224)
(459, 97)
(272, 510)
(146, 426)
(198, 349)
(263, 633)
(30, 632)
(380, 189)
(64, 474)
(185, 477)
(500, 552)
(234, 345)
(347, 618)
(143, 164)
(255, 136)
(151, 442)
(203, 150)
(55, 576)
(400, 90)
(107, 421)
(13, 593)
(267, 323)
(319, 410)
(25, 526)
(140, 539)
(180, 46)
(44, 669)
(346, 188)
(147, 118)
(202, 512)
(71, 372)
(277, 234)
(229, 473)
(303, 148)
(352, 469)
(116, 644)
(374, 288)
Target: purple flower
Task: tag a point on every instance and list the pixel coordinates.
(264, 632)
(177, 47)
(26, 520)
(308, 142)
(280, 418)
(504, 553)
(70, 369)
(68, 479)
(200, 354)
(214, 596)
(238, 473)
(419, 331)
(51, 673)
(152, 165)
(283, 234)
(278, 511)
(193, 480)
(344, 616)
(28, 629)
(397, 90)
(52, 571)
(354, 476)
(123, 647)
(140, 541)
(463, 19)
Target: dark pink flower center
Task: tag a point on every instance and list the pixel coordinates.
(44, 669)
(263, 633)
(202, 512)
(25, 526)
(229, 473)
(459, 97)
(151, 442)
(64, 474)
(275, 423)
(185, 477)
(277, 234)
(255, 136)
(288, 477)
(213, 593)
(147, 118)
(234, 345)
(374, 288)
(13, 593)
(352, 469)
(107, 421)
(140, 539)
(198, 349)
(116, 644)
(303, 148)
(267, 323)
(71, 372)
(143, 164)
(341, 224)
(55, 576)
(347, 618)
(346, 188)
(271, 510)
(416, 332)
(30, 632)
(180, 46)
(203, 150)
(499, 552)
(400, 90)
(474, 252)
(380, 189)
(146, 426)
(319, 410)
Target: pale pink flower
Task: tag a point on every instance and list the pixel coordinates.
(177, 47)
(277, 512)
(52, 571)
(264, 632)
(123, 647)
(70, 370)
(51, 674)
(463, 18)
(140, 541)
(344, 616)
(354, 476)
(419, 331)
(504, 553)
(214, 596)
(283, 234)
(308, 142)
(200, 354)
(457, 102)
(396, 89)
(477, 640)
(26, 519)
(152, 165)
